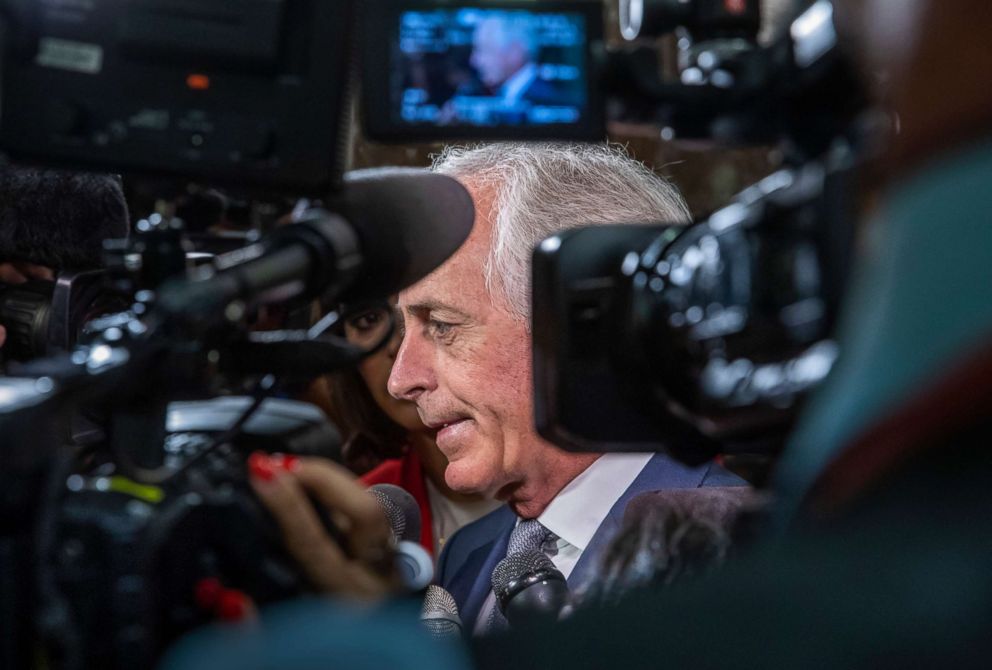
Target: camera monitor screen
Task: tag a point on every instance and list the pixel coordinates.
(486, 71)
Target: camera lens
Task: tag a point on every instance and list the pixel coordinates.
(25, 311)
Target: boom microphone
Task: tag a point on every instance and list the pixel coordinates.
(395, 226)
(408, 222)
(529, 588)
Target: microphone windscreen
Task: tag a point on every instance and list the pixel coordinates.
(401, 511)
(439, 613)
(408, 221)
(59, 218)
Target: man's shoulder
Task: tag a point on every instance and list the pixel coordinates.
(543, 92)
(717, 475)
(663, 471)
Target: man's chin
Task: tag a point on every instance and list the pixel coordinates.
(459, 478)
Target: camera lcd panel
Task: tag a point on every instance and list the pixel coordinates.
(486, 71)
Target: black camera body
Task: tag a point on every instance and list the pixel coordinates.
(695, 340)
(128, 562)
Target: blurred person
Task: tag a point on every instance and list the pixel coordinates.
(504, 54)
(383, 429)
(672, 535)
(465, 360)
(55, 220)
(507, 77)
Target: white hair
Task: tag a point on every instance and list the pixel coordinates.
(540, 189)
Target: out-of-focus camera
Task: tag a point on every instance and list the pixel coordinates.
(698, 339)
(705, 339)
(44, 317)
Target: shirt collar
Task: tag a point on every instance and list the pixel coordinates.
(579, 509)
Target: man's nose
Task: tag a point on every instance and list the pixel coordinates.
(412, 373)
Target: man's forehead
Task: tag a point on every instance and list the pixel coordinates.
(460, 278)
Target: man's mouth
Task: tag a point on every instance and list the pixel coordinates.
(447, 429)
(446, 424)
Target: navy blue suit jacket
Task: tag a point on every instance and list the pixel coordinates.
(466, 564)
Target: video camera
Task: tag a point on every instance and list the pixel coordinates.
(644, 337)
(705, 339)
(107, 540)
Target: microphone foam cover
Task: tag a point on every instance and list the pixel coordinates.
(408, 222)
(401, 511)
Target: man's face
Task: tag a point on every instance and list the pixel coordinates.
(494, 60)
(466, 364)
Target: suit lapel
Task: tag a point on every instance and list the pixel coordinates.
(661, 472)
(472, 582)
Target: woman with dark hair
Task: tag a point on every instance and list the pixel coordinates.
(386, 443)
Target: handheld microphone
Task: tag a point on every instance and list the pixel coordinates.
(529, 588)
(414, 564)
(439, 614)
(401, 511)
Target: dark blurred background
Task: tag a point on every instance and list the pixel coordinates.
(707, 177)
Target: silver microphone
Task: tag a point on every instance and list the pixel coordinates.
(413, 562)
(439, 614)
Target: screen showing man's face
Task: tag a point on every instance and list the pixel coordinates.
(498, 53)
(489, 67)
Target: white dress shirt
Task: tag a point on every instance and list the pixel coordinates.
(576, 513)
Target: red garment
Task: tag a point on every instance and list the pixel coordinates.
(407, 473)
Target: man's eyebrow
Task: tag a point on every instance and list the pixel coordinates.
(432, 306)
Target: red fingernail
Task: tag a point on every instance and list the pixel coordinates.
(207, 591)
(285, 461)
(260, 466)
(232, 605)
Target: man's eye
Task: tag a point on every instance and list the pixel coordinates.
(440, 328)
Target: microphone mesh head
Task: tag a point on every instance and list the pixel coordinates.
(438, 600)
(401, 511)
(517, 566)
(439, 614)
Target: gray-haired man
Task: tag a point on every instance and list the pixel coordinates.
(465, 361)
